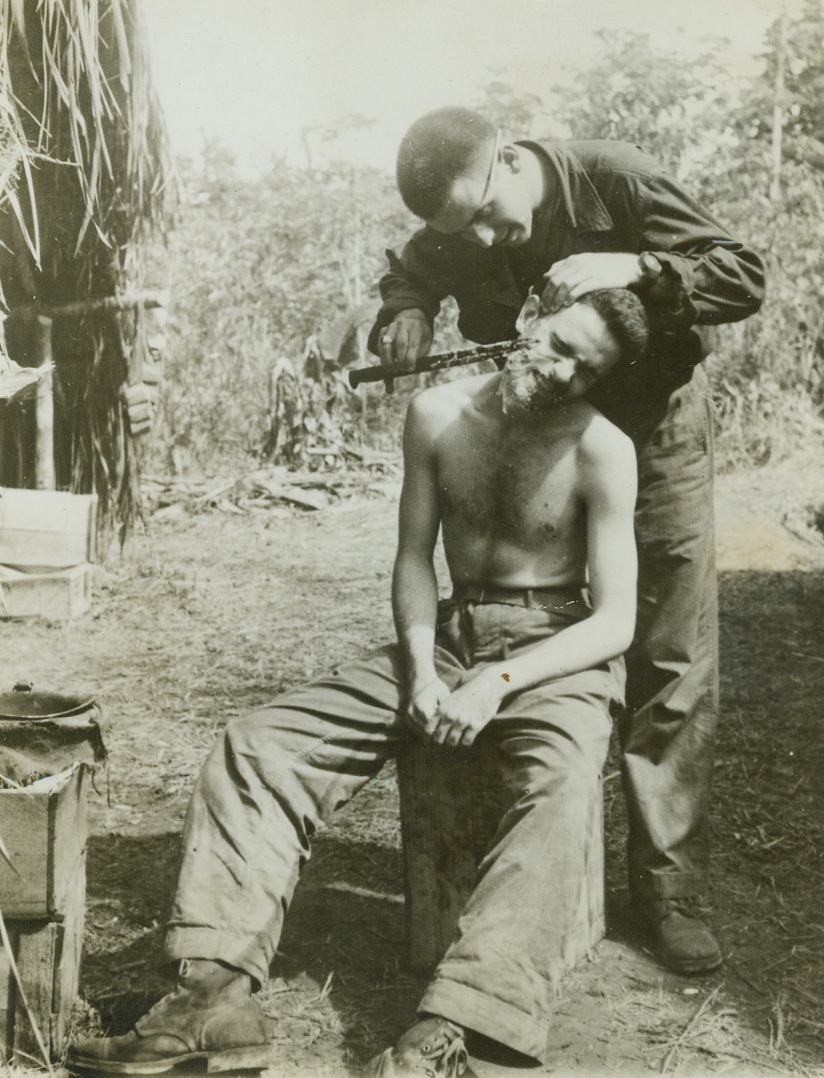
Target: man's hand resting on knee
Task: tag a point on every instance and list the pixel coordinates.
(467, 710)
(456, 718)
(425, 699)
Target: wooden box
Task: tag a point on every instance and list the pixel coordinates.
(46, 529)
(44, 829)
(47, 955)
(59, 595)
(451, 804)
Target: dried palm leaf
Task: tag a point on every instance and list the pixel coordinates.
(84, 170)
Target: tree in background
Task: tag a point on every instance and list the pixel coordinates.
(771, 186)
(650, 97)
(793, 61)
(635, 93)
(261, 266)
(520, 115)
(717, 136)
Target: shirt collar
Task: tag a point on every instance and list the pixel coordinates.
(582, 203)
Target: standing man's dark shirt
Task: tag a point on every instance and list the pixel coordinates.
(601, 196)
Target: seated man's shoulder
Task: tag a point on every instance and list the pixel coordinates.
(447, 401)
(601, 441)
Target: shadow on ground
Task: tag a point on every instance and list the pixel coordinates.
(340, 975)
(769, 801)
(345, 932)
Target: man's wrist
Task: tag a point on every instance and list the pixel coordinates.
(421, 676)
(496, 681)
(634, 270)
(411, 314)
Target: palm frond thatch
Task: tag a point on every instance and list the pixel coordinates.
(84, 168)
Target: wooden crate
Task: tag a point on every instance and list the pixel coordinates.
(451, 804)
(47, 955)
(44, 829)
(59, 595)
(46, 529)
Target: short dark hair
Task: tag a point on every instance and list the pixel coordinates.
(625, 318)
(436, 149)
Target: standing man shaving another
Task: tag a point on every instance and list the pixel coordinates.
(566, 219)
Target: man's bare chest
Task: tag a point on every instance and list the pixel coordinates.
(518, 488)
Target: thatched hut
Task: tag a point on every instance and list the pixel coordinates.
(84, 172)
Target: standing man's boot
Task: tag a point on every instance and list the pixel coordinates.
(682, 939)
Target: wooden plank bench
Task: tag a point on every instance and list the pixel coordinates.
(450, 805)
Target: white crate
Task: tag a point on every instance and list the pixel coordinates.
(58, 596)
(46, 529)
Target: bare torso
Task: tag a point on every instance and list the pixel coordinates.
(508, 492)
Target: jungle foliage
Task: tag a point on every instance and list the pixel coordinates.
(262, 268)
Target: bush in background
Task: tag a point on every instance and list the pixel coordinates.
(260, 266)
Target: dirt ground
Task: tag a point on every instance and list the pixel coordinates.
(207, 614)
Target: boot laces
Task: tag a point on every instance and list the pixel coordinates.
(687, 906)
(450, 1059)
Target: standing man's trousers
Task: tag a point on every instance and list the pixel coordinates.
(276, 774)
(668, 729)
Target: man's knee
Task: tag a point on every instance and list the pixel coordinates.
(255, 732)
(563, 782)
(249, 744)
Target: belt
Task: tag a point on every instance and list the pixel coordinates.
(532, 598)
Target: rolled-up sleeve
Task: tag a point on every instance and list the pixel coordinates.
(722, 277)
(408, 284)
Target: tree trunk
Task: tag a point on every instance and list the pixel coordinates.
(778, 107)
(44, 407)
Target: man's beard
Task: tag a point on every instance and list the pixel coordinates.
(529, 395)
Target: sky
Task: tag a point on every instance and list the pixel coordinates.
(267, 76)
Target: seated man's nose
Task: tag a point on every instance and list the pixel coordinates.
(484, 235)
(563, 371)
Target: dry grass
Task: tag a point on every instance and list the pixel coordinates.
(213, 613)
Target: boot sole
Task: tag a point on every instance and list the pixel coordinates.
(256, 1058)
(699, 966)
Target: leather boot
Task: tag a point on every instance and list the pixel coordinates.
(682, 939)
(432, 1048)
(213, 1018)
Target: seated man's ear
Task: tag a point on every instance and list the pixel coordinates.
(530, 313)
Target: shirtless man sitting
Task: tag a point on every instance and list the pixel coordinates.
(534, 491)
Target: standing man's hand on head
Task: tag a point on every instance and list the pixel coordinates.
(405, 340)
(572, 277)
